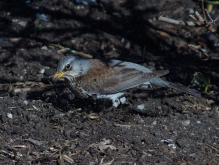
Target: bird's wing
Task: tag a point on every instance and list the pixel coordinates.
(158, 81)
(105, 78)
(128, 78)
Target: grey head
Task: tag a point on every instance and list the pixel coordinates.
(71, 67)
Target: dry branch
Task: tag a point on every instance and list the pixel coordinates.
(198, 21)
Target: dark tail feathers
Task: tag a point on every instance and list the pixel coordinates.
(163, 83)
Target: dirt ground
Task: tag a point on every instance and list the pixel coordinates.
(41, 125)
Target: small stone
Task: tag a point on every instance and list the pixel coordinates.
(122, 100)
(25, 102)
(186, 122)
(41, 71)
(141, 106)
(128, 45)
(9, 115)
(44, 48)
(193, 155)
(22, 23)
(173, 146)
(17, 90)
(167, 141)
(14, 40)
(42, 17)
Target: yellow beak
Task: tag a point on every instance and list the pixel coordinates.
(58, 75)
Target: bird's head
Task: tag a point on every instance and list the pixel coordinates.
(71, 67)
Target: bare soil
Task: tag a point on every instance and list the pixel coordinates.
(41, 125)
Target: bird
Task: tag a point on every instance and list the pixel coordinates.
(109, 78)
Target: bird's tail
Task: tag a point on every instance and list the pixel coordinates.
(185, 89)
(163, 83)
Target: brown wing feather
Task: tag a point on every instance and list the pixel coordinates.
(100, 76)
(104, 79)
(133, 80)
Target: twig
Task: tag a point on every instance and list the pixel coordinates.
(198, 21)
(81, 54)
(176, 22)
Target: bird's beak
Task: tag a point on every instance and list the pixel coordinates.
(58, 75)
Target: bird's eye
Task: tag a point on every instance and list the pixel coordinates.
(68, 67)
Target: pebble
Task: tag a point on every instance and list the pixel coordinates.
(122, 100)
(41, 71)
(42, 17)
(14, 40)
(9, 115)
(21, 23)
(141, 106)
(25, 102)
(186, 122)
(167, 140)
(21, 90)
(44, 48)
(173, 146)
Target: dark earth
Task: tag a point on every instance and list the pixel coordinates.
(42, 124)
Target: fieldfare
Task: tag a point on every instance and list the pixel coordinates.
(109, 78)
